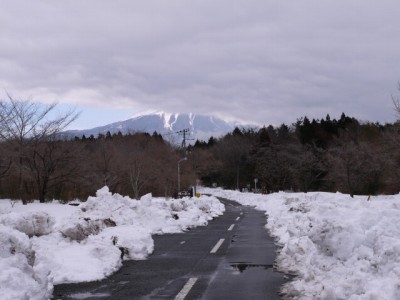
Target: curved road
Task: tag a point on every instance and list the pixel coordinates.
(231, 258)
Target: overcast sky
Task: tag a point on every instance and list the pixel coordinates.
(263, 61)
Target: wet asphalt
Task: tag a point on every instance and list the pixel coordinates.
(182, 267)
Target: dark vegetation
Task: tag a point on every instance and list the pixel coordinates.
(310, 155)
(332, 155)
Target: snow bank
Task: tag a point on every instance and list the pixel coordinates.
(20, 276)
(31, 223)
(52, 243)
(339, 247)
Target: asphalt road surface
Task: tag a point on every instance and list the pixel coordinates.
(231, 258)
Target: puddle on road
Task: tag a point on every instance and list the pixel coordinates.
(89, 295)
(241, 267)
(240, 239)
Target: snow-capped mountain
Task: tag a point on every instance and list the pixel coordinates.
(200, 127)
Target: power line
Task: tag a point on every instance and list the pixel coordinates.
(184, 133)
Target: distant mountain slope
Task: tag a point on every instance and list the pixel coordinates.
(201, 127)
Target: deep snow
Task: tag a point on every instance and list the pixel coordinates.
(52, 243)
(337, 246)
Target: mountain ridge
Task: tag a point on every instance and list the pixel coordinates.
(200, 126)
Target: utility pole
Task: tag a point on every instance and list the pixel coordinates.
(184, 133)
(179, 174)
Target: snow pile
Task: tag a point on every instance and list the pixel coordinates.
(339, 247)
(42, 244)
(20, 276)
(30, 223)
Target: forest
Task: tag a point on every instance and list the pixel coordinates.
(334, 155)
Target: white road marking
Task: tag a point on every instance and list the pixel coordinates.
(186, 289)
(231, 227)
(241, 213)
(238, 218)
(216, 247)
(183, 242)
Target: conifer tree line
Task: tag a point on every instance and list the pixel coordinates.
(344, 154)
(331, 155)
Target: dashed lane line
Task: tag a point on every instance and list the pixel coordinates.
(238, 218)
(186, 289)
(231, 227)
(217, 245)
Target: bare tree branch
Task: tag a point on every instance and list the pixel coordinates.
(24, 123)
(396, 103)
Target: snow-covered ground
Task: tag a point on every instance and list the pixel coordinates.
(46, 244)
(339, 247)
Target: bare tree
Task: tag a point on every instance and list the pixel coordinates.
(136, 177)
(139, 156)
(5, 159)
(106, 163)
(273, 167)
(5, 165)
(308, 167)
(51, 163)
(396, 103)
(356, 168)
(24, 123)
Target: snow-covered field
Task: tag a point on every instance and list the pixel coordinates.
(339, 247)
(46, 244)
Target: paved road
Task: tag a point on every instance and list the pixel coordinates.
(231, 258)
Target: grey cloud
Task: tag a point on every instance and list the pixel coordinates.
(262, 61)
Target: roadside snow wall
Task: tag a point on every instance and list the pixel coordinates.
(337, 246)
(52, 243)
